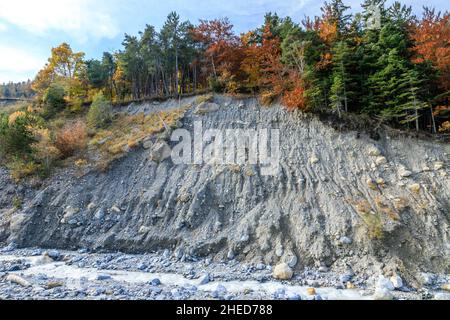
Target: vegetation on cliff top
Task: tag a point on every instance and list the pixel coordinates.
(383, 62)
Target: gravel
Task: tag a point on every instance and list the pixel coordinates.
(119, 278)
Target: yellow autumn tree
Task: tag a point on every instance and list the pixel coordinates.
(65, 67)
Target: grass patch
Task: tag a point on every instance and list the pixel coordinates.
(372, 219)
(17, 203)
(204, 98)
(126, 132)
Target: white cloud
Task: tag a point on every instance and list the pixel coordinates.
(3, 27)
(17, 64)
(81, 19)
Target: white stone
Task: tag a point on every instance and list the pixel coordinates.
(115, 209)
(291, 259)
(144, 229)
(374, 152)
(345, 240)
(438, 165)
(314, 159)
(283, 272)
(414, 188)
(397, 281)
(18, 280)
(381, 160)
(404, 173)
(384, 283)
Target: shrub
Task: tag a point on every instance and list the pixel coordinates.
(44, 150)
(76, 105)
(15, 133)
(20, 169)
(53, 100)
(17, 203)
(445, 128)
(71, 138)
(100, 112)
(216, 85)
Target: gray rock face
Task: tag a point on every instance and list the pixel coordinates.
(204, 210)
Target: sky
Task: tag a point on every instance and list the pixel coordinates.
(30, 28)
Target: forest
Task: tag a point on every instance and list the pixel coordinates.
(383, 61)
(17, 90)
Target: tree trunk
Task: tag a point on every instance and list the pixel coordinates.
(214, 67)
(433, 121)
(176, 71)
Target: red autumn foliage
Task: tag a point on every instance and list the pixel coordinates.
(223, 51)
(294, 97)
(432, 38)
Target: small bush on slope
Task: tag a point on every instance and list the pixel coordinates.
(71, 138)
(100, 113)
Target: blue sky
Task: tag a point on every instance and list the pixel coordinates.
(30, 28)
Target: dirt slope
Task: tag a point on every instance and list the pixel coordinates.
(338, 199)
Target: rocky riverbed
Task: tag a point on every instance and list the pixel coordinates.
(346, 214)
(55, 275)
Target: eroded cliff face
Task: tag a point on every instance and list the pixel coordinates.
(338, 199)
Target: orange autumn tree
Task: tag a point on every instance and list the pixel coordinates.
(432, 38)
(222, 50)
(328, 33)
(262, 64)
(294, 98)
(267, 74)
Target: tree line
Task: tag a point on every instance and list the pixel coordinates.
(17, 90)
(383, 61)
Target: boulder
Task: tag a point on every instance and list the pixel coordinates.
(345, 240)
(415, 188)
(384, 284)
(160, 152)
(147, 144)
(115, 209)
(313, 159)
(438, 165)
(381, 160)
(374, 152)
(290, 259)
(446, 287)
(397, 281)
(144, 230)
(282, 272)
(311, 291)
(404, 173)
(68, 214)
(18, 280)
(44, 259)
